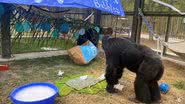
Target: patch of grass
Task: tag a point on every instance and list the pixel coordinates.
(1, 85)
(63, 61)
(29, 45)
(180, 85)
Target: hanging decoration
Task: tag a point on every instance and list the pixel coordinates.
(45, 26)
(55, 33)
(26, 26)
(65, 28)
(97, 29)
(19, 27)
(37, 26)
(76, 35)
(81, 31)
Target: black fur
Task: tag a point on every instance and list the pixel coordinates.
(121, 53)
(91, 35)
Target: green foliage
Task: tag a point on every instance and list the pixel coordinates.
(128, 5)
(94, 89)
(180, 85)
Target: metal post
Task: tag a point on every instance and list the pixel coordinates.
(137, 21)
(5, 33)
(167, 33)
(167, 30)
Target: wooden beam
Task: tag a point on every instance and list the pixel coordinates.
(5, 33)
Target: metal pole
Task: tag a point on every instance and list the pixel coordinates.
(167, 33)
(5, 32)
(137, 21)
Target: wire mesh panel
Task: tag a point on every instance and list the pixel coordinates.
(33, 28)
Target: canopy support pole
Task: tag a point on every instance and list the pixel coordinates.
(5, 33)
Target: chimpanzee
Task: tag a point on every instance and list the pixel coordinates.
(123, 53)
(91, 34)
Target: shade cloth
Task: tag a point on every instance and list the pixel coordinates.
(111, 6)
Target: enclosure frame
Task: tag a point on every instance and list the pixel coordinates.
(136, 25)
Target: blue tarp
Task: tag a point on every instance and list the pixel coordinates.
(111, 6)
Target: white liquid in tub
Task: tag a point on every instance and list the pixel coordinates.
(34, 93)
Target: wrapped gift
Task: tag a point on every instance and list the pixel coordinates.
(83, 54)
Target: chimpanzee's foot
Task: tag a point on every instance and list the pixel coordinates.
(111, 89)
(157, 102)
(133, 99)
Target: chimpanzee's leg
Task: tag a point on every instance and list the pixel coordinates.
(119, 72)
(113, 72)
(155, 92)
(111, 78)
(143, 77)
(142, 90)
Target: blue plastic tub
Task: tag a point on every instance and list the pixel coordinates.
(50, 100)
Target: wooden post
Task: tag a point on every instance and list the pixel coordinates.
(137, 21)
(97, 17)
(117, 20)
(5, 33)
(167, 33)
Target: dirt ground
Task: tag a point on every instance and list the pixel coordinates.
(26, 71)
(21, 74)
(172, 74)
